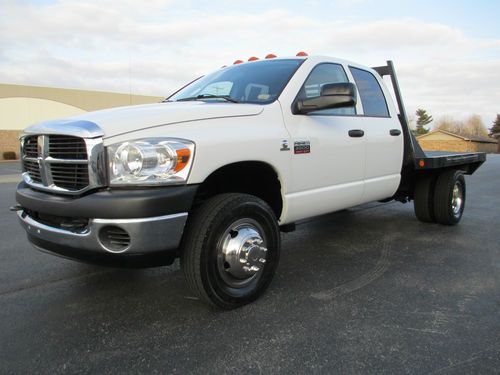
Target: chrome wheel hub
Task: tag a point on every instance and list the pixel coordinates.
(242, 252)
(457, 198)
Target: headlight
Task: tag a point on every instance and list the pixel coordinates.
(150, 161)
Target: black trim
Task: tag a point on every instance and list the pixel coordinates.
(156, 259)
(111, 203)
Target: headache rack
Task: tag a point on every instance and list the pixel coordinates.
(417, 161)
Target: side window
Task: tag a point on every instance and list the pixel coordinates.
(371, 94)
(321, 75)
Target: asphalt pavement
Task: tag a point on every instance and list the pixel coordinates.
(367, 290)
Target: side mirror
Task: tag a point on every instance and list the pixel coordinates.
(333, 95)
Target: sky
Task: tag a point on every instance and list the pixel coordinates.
(447, 53)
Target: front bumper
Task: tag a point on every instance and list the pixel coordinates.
(146, 235)
(110, 227)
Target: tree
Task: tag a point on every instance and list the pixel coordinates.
(474, 127)
(448, 124)
(422, 119)
(495, 129)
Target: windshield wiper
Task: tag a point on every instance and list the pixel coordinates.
(208, 96)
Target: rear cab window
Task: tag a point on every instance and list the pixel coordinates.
(370, 92)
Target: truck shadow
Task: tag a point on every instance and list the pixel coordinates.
(324, 258)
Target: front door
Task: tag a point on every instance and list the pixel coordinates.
(328, 158)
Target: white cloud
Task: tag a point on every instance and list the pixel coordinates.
(98, 44)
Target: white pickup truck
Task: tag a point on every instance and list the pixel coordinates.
(214, 172)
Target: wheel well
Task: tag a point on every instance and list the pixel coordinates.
(250, 177)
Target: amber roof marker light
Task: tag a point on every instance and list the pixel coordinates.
(253, 58)
(238, 62)
(271, 56)
(302, 54)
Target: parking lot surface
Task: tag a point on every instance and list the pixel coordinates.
(367, 290)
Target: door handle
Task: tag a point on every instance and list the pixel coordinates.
(356, 133)
(394, 132)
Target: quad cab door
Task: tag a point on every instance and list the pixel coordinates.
(328, 151)
(383, 136)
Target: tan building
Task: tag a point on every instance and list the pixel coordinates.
(21, 106)
(440, 140)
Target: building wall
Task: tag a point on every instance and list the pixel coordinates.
(9, 141)
(19, 113)
(487, 147)
(456, 145)
(22, 106)
(84, 99)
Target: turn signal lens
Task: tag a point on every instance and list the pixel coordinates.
(183, 156)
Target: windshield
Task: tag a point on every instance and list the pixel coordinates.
(258, 82)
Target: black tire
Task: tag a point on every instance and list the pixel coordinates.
(204, 259)
(423, 199)
(448, 207)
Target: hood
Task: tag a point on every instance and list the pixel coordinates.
(121, 120)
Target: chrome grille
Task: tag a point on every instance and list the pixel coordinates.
(33, 169)
(70, 176)
(31, 146)
(67, 147)
(62, 163)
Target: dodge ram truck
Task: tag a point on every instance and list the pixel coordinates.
(214, 173)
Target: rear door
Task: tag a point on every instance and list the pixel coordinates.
(383, 137)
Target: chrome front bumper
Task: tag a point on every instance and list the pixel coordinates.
(146, 235)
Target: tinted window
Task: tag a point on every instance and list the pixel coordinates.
(253, 82)
(321, 75)
(370, 92)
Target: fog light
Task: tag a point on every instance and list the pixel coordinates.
(114, 239)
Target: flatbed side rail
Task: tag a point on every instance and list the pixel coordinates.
(468, 162)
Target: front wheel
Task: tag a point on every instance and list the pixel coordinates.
(230, 249)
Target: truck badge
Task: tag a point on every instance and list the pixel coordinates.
(302, 147)
(284, 145)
